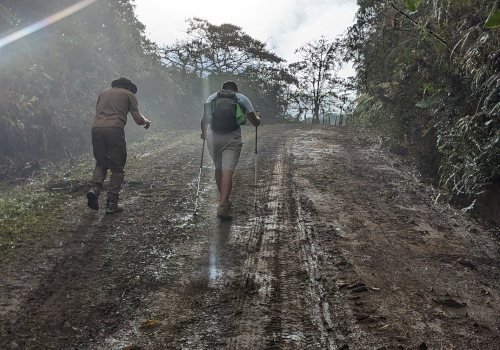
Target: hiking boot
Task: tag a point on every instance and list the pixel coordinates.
(223, 212)
(113, 207)
(93, 198)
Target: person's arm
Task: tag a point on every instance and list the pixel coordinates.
(254, 118)
(140, 119)
(134, 111)
(204, 127)
(247, 108)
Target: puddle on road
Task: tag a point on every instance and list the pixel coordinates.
(218, 252)
(213, 272)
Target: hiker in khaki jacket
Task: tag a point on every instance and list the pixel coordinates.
(108, 140)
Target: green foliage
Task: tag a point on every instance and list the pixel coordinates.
(412, 5)
(51, 78)
(429, 80)
(493, 21)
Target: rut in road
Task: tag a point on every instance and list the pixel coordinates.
(338, 247)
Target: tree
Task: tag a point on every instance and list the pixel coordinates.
(316, 76)
(215, 50)
(214, 53)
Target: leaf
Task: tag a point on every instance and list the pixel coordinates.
(493, 21)
(423, 104)
(430, 88)
(494, 140)
(412, 5)
(427, 102)
(150, 323)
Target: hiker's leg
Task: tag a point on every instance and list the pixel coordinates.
(230, 157)
(99, 147)
(226, 186)
(213, 144)
(116, 161)
(218, 178)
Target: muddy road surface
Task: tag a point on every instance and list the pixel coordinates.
(339, 246)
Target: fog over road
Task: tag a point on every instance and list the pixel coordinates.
(340, 246)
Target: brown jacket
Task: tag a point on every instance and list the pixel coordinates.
(112, 108)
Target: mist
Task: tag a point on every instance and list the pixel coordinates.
(54, 75)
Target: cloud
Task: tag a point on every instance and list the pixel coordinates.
(283, 24)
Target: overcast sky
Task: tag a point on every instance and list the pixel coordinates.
(283, 24)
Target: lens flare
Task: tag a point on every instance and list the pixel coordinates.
(45, 22)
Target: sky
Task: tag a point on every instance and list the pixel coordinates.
(284, 25)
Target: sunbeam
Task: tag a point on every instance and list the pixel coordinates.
(45, 22)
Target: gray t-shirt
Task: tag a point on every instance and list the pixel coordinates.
(242, 101)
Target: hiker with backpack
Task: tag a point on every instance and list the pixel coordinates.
(108, 140)
(224, 112)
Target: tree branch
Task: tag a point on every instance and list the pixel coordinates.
(430, 31)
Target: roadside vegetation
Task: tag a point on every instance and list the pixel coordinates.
(27, 213)
(428, 79)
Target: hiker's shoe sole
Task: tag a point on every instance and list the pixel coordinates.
(92, 200)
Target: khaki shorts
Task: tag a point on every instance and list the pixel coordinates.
(225, 150)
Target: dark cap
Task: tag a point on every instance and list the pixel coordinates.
(124, 83)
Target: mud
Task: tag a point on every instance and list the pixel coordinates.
(339, 246)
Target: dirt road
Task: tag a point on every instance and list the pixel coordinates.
(338, 247)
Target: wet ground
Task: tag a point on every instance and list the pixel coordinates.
(339, 246)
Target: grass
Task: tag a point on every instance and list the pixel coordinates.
(29, 212)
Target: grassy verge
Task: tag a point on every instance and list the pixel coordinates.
(27, 213)
(30, 212)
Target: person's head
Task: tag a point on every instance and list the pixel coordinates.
(230, 85)
(124, 83)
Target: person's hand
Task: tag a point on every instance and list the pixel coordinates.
(203, 136)
(257, 118)
(147, 124)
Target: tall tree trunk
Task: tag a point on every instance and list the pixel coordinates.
(315, 117)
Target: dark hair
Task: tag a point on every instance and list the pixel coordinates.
(230, 85)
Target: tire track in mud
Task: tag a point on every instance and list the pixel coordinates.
(260, 269)
(290, 308)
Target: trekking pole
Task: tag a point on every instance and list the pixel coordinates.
(256, 156)
(199, 179)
